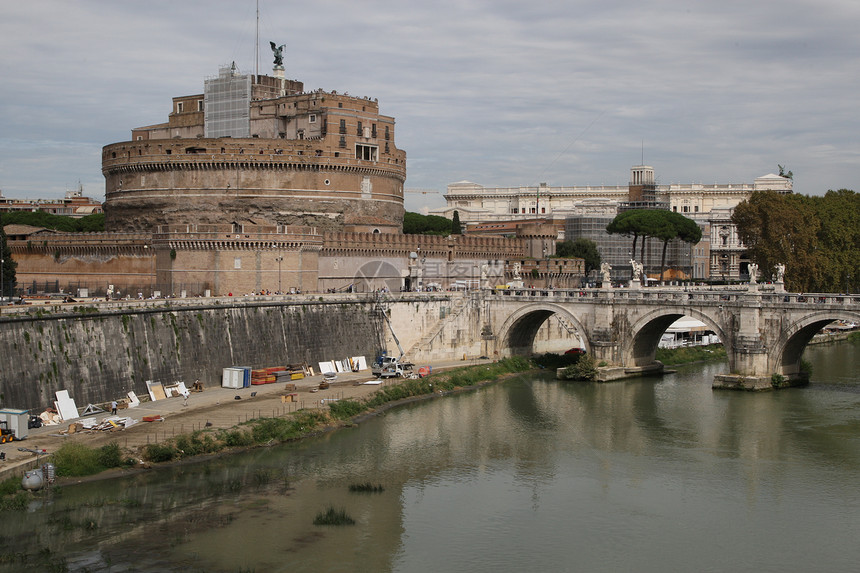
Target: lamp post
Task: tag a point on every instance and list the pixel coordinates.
(2, 290)
(279, 258)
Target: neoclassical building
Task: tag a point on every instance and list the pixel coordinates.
(587, 209)
(476, 203)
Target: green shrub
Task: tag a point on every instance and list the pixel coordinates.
(73, 459)
(585, 369)
(196, 443)
(16, 502)
(236, 438)
(159, 452)
(346, 409)
(10, 486)
(110, 456)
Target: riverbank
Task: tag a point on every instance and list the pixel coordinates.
(691, 354)
(220, 419)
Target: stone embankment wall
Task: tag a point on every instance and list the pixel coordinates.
(99, 354)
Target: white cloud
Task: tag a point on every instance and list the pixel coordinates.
(498, 92)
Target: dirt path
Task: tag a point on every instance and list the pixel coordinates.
(215, 408)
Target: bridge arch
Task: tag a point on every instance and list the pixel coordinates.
(785, 359)
(517, 334)
(640, 348)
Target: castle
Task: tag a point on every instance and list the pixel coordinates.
(259, 186)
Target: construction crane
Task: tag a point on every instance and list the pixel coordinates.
(423, 191)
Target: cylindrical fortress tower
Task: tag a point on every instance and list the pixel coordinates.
(224, 180)
(259, 150)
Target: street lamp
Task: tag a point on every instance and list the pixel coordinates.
(2, 290)
(279, 258)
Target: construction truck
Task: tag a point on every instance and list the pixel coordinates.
(390, 367)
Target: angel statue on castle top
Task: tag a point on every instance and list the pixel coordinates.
(278, 52)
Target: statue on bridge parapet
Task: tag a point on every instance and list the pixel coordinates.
(780, 273)
(517, 280)
(753, 268)
(638, 271)
(605, 269)
(779, 278)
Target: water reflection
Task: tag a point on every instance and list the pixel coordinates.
(648, 475)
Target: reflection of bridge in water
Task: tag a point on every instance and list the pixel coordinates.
(764, 331)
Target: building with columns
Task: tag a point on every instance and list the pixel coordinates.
(587, 209)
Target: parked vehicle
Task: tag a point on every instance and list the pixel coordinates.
(390, 367)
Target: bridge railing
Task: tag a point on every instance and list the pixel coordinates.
(678, 295)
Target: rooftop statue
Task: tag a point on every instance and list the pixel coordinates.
(278, 51)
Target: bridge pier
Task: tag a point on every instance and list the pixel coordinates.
(759, 383)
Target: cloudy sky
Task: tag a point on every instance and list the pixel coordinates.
(500, 92)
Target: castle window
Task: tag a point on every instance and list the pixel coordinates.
(387, 134)
(179, 107)
(367, 152)
(340, 104)
(200, 105)
(312, 118)
(359, 130)
(342, 142)
(373, 130)
(237, 263)
(342, 127)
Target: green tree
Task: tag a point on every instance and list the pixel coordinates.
(655, 223)
(631, 224)
(417, 224)
(9, 265)
(89, 224)
(816, 238)
(456, 228)
(838, 240)
(581, 248)
(680, 227)
(777, 228)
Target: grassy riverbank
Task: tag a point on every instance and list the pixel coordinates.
(688, 354)
(77, 460)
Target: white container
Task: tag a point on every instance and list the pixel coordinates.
(232, 378)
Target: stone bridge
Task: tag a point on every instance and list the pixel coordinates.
(764, 332)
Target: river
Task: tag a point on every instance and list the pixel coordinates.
(531, 474)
